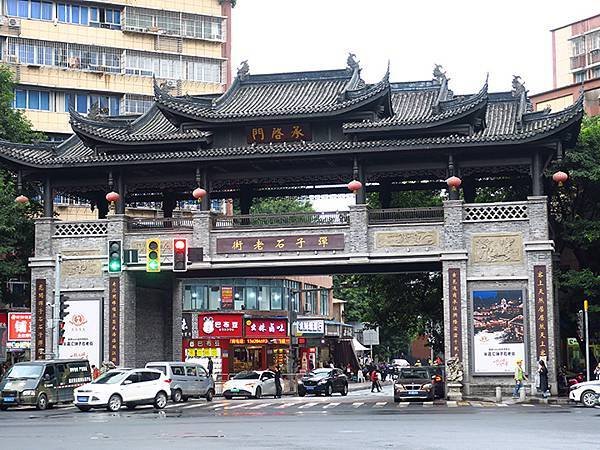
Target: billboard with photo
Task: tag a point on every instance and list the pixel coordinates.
(82, 331)
(498, 338)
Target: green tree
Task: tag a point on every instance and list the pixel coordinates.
(280, 205)
(16, 221)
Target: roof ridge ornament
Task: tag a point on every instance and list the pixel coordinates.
(439, 75)
(352, 62)
(355, 83)
(519, 91)
(243, 71)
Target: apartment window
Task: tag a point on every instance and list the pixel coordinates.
(579, 77)
(594, 41)
(32, 99)
(83, 102)
(596, 72)
(105, 18)
(138, 104)
(324, 302)
(310, 298)
(29, 9)
(74, 14)
(203, 70)
(578, 46)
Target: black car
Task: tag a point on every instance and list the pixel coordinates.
(418, 383)
(323, 381)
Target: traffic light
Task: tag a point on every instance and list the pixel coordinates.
(180, 255)
(63, 313)
(580, 326)
(115, 256)
(153, 255)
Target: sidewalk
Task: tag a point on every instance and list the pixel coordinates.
(529, 400)
(366, 385)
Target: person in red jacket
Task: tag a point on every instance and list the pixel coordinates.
(375, 381)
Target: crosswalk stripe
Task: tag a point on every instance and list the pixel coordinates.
(307, 405)
(451, 404)
(528, 405)
(402, 405)
(379, 404)
(427, 404)
(502, 405)
(241, 405)
(285, 405)
(357, 404)
(217, 405)
(261, 405)
(331, 405)
(195, 405)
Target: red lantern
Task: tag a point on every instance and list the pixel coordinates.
(454, 182)
(113, 197)
(354, 186)
(560, 177)
(199, 193)
(22, 199)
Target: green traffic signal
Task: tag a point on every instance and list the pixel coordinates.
(114, 256)
(153, 255)
(114, 266)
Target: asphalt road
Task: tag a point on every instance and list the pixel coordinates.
(359, 421)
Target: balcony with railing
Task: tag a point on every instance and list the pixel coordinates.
(406, 215)
(578, 62)
(595, 56)
(163, 224)
(298, 219)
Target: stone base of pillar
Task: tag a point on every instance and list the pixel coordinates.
(455, 391)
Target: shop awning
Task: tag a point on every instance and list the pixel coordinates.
(357, 346)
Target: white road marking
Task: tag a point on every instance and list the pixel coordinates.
(241, 405)
(261, 405)
(285, 405)
(307, 405)
(403, 405)
(217, 405)
(357, 404)
(451, 404)
(331, 405)
(502, 405)
(196, 405)
(427, 404)
(528, 405)
(379, 404)
(477, 404)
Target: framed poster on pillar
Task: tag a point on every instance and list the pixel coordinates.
(498, 331)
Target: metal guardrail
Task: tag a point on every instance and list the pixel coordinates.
(160, 224)
(406, 215)
(302, 219)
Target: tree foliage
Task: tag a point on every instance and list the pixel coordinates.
(16, 221)
(280, 205)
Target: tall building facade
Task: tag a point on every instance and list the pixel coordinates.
(101, 56)
(576, 67)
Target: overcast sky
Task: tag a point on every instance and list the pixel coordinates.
(469, 38)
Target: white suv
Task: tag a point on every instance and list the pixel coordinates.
(585, 392)
(129, 387)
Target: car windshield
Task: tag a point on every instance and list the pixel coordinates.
(319, 373)
(25, 371)
(112, 377)
(414, 373)
(163, 369)
(247, 376)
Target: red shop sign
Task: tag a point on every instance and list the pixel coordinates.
(19, 326)
(3, 319)
(266, 328)
(220, 325)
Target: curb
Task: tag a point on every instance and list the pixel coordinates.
(528, 400)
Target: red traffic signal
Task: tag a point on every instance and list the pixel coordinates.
(180, 255)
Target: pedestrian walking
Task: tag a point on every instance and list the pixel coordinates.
(210, 366)
(519, 378)
(597, 372)
(375, 381)
(95, 372)
(278, 389)
(543, 376)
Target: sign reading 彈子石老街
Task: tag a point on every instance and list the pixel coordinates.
(541, 311)
(275, 244)
(82, 331)
(40, 318)
(498, 337)
(279, 133)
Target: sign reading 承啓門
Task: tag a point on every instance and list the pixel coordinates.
(296, 243)
(279, 133)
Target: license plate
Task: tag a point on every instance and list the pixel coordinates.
(82, 399)
(309, 388)
(413, 392)
(9, 399)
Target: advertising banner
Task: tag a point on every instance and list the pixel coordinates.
(227, 297)
(498, 330)
(220, 325)
(3, 341)
(186, 325)
(266, 328)
(82, 331)
(3, 319)
(19, 326)
(303, 327)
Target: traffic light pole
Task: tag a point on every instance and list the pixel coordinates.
(56, 309)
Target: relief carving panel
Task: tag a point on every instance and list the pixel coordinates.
(497, 248)
(406, 238)
(81, 268)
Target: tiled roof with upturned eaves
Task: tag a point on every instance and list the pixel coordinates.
(503, 127)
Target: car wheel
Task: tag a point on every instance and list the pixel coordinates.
(328, 390)
(184, 398)
(210, 395)
(301, 393)
(258, 392)
(3, 408)
(345, 390)
(130, 406)
(396, 400)
(160, 401)
(84, 408)
(114, 403)
(228, 397)
(42, 402)
(588, 398)
(176, 396)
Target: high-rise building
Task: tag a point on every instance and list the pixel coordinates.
(100, 56)
(575, 65)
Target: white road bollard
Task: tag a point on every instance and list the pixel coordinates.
(523, 393)
(498, 394)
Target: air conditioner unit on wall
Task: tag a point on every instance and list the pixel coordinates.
(14, 22)
(12, 59)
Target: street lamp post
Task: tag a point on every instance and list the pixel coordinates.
(587, 340)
